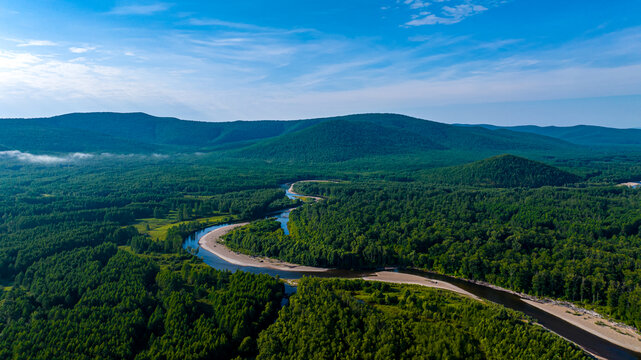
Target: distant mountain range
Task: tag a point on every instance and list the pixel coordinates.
(332, 139)
(133, 133)
(580, 134)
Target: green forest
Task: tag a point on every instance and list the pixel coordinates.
(82, 279)
(371, 320)
(81, 282)
(92, 264)
(577, 244)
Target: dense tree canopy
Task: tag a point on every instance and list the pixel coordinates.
(582, 245)
(85, 284)
(360, 320)
(92, 266)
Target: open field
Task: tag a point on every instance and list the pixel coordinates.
(157, 228)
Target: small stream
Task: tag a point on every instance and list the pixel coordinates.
(588, 341)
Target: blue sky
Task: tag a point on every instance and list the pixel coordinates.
(469, 61)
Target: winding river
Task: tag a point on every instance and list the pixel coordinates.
(593, 344)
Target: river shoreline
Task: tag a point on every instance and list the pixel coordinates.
(291, 190)
(213, 243)
(591, 322)
(409, 279)
(615, 333)
(621, 334)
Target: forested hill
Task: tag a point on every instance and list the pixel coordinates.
(503, 171)
(339, 140)
(325, 139)
(357, 136)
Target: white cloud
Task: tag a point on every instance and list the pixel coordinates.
(37, 43)
(81, 50)
(43, 78)
(508, 85)
(238, 74)
(140, 9)
(43, 159)
(12, 60)
(431, 19)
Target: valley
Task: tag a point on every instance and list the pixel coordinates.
(335, 180)
(132, 238)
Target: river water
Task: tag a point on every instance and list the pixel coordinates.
(588, 341)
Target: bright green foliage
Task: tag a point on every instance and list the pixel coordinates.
(361, 320)
(75, 295)
(48, 210)
(582, 245)
(84, 283)
(102, 303)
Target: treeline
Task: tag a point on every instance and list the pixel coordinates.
(369, 320)
(581, 245)
(246, 204)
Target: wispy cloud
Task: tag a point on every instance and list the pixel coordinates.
(245, 71)
(227, 24)
(140, 9)
(43, 159)
(417, 4)
(37, 43)
(48, 159)
(444, 15)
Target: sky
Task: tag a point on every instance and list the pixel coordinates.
(503, 62)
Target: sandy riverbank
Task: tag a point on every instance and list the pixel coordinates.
(316, 198)
(401, 278)
(591, 322)
(213, 243)
(615, 333)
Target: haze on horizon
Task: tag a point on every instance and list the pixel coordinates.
(503, 62)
